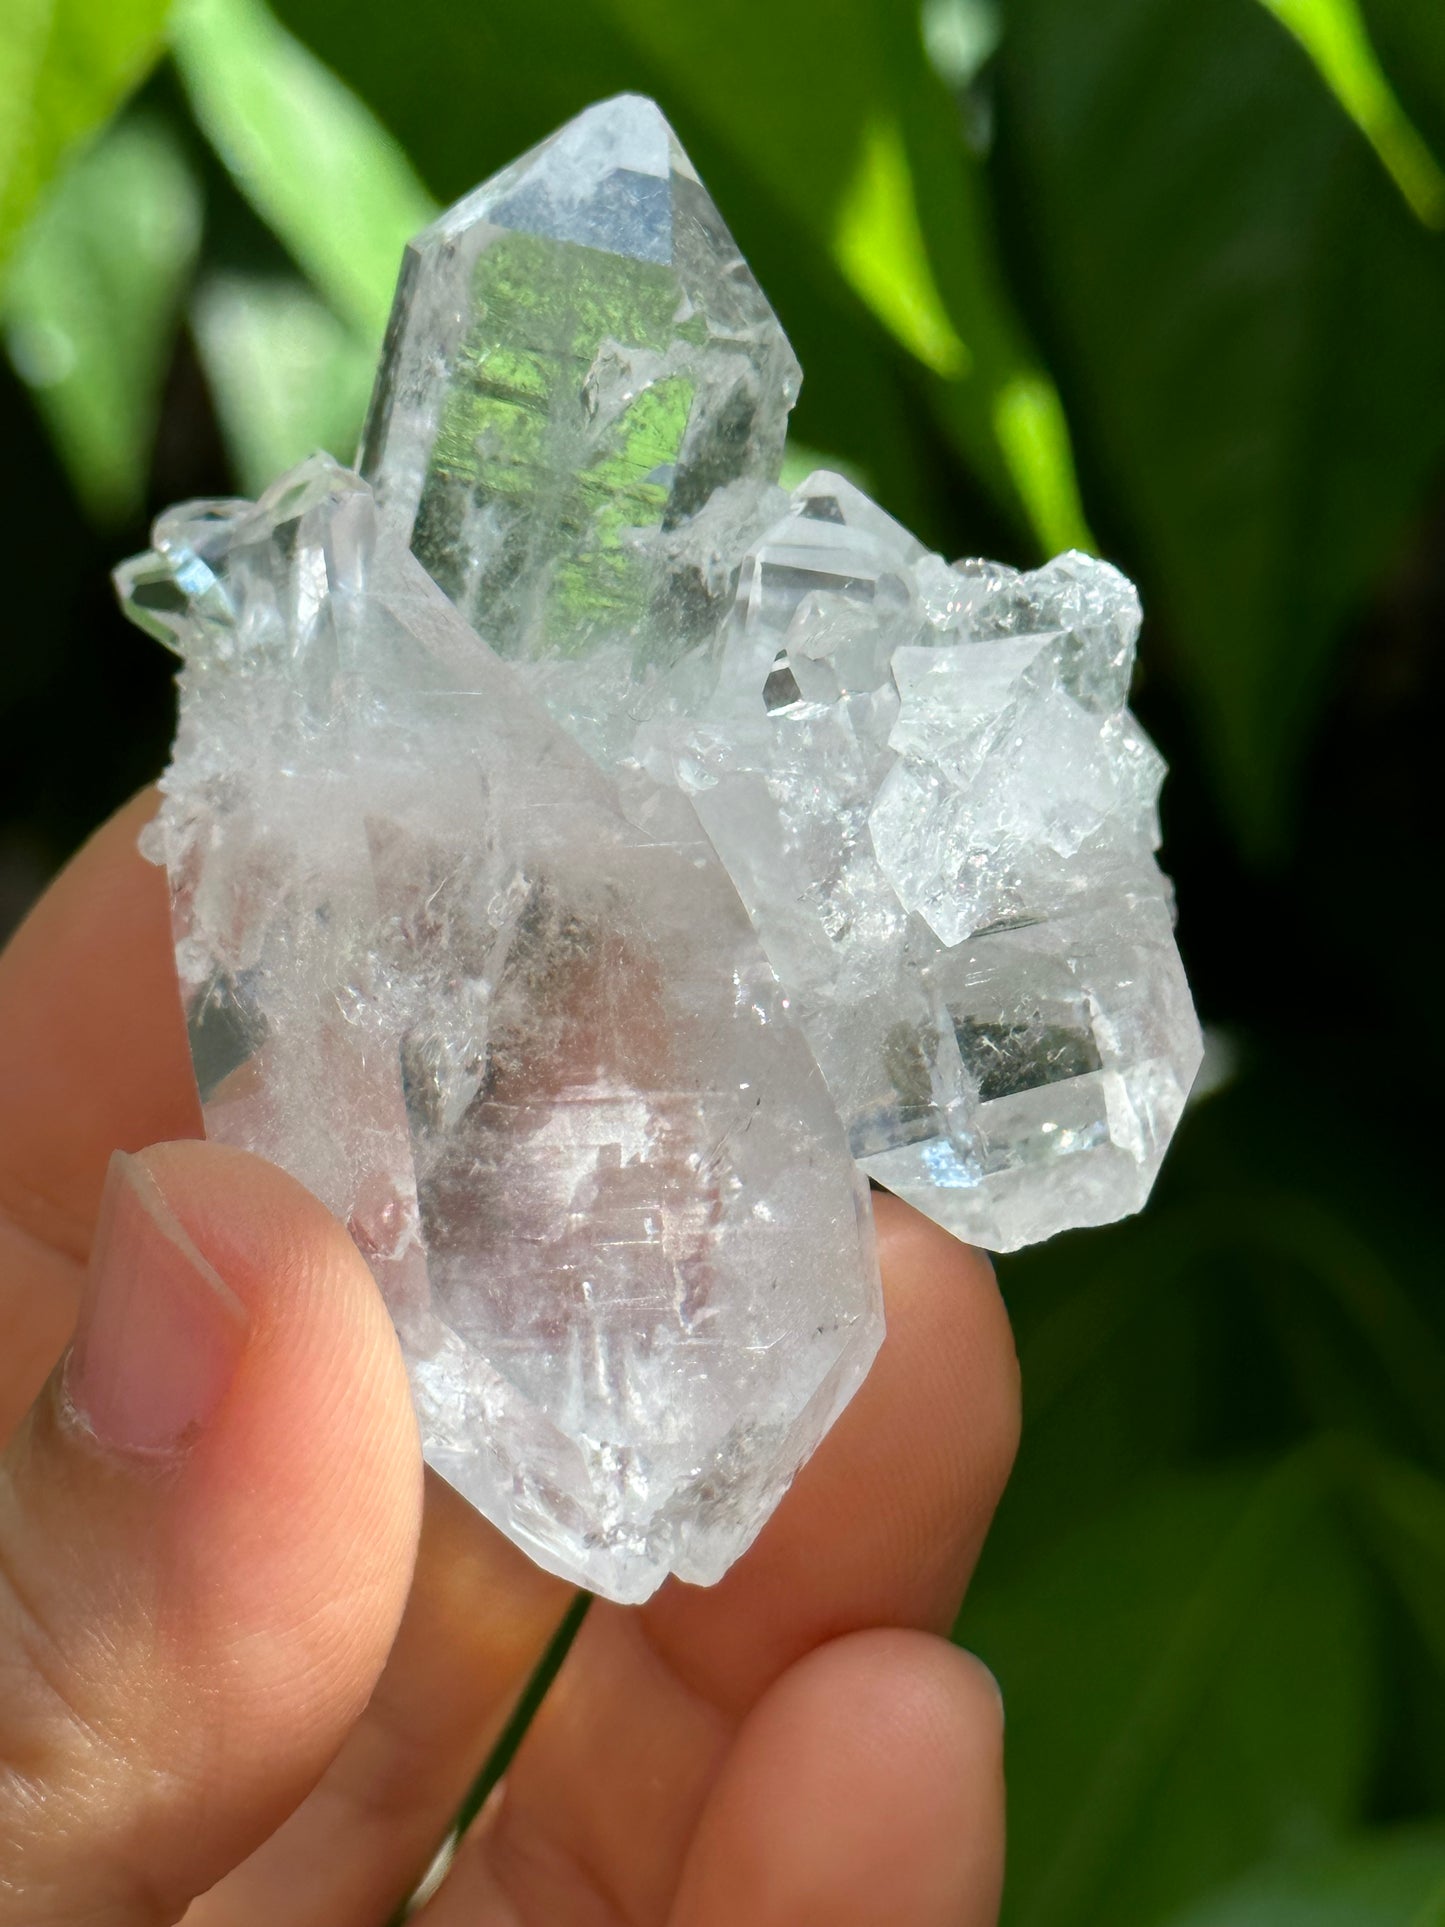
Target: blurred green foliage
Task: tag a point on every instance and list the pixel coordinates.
(64, 67)
(1172, 271)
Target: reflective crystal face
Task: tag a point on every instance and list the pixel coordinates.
(941, 817)
(581, 933)
(511, 1023)
(578, 362)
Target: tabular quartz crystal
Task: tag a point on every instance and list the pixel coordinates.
(590, 861)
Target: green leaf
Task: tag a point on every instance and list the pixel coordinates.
(879, 245)
(314, 162)
(1005, 412)
(1334, 35)
(1392, 1879)
(92, 303)
(1245, 321)
(871, 156)
(286, 376)
(880, 266)
(1243, 1308)
(531, 67)
(1410, 39)
(65, 66)
(1386, 1334)
(535, 68)
(960, 36)
(1403, 1513)
(1189, 1688)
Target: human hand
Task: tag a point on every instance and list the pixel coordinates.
(247, 1652)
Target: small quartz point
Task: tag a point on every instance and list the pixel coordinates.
(589, 861)
(941, 816)
(514, 1028)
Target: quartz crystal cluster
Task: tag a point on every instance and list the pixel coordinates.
(590, 862)
(941, 816)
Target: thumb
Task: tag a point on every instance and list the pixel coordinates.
(207, 1525)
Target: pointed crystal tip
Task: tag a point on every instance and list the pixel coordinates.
(579, 362)
(600, 181)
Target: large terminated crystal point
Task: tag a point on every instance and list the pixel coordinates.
(579, 366)
(509, 1020)
(579, 847)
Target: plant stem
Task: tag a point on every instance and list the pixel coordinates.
(511, 1735)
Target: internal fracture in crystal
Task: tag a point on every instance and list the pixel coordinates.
(590, 861)
(579, 369)
(508, 1019)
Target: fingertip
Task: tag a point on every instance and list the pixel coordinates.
(866, 1786)
(884, 1525)
(943, 1298)
(898, 1696)
(930, 1275)
(906, 1236)
(302, 1499)
(218, 1556)
(927, 1445)
(160, 1335)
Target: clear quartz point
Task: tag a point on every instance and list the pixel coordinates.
(507, 1017)
(589, 861)
(579, 365)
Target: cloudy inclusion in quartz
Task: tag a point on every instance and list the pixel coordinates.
(507, 1017)
(588, 861)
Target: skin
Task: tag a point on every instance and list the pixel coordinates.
(249, 1678)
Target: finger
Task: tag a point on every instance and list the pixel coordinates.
(92, 1056)
(890, 1575)
(627, 1747)
(884, 1526)
(206, 1533)
(866, 1790)
(880, 1530)
(478, 1618)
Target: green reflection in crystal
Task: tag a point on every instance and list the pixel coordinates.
(527, 464)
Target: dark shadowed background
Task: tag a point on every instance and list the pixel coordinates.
(1164, 278)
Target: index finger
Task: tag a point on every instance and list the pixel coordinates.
(884, 1526)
